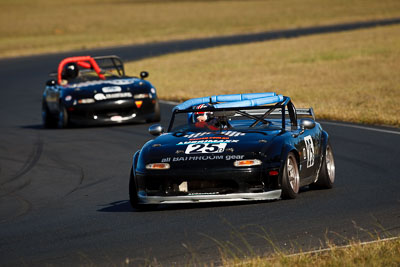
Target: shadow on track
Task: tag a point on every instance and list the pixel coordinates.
(125, 206)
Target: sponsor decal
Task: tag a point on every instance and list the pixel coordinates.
(113, 82)
(101, 96)
(111, 89)
(226, 133)
(207, 142)
(116, 118)
(209, 138)
(309, 150)
(202, 158)
(123, 81)
(205, 148)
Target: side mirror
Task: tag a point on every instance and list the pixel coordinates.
(51, 82)
(307, 124)
(144, 74)
(156, 129)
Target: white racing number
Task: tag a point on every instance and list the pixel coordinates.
(310, 150)
(205, 148)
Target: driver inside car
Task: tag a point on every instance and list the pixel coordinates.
(205, 119)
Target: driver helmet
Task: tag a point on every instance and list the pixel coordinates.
(202, 115)
(71, 71)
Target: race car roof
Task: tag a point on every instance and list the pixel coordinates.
(234, 100)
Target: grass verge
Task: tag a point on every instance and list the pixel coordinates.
(385, 253)
(42, 26)
(349, 76)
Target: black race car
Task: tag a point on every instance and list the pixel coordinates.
(232, 148)
(95, 90)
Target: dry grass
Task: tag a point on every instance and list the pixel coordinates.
(377, 254)
(350, 76)
(40, 26)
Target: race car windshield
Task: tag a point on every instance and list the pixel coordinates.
(106, 68)
(243, 120)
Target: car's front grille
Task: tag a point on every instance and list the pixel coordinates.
(167, 186)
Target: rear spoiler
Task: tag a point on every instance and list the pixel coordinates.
(306, 112)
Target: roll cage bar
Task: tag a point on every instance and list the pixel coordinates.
(88, 62)
(285, 106)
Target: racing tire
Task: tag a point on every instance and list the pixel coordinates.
(157, 114)
(326, 176)
(290, 177)
(133, 196)
(48, 120)
(62, 118)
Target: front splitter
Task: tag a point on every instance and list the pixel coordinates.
(270, 195)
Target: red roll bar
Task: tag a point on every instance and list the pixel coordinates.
(86, 62)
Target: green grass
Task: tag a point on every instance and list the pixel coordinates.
(42, 26)
(349, 76)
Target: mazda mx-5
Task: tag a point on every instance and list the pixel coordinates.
(232, 148)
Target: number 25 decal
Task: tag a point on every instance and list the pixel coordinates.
(310, 150)
(205, 148)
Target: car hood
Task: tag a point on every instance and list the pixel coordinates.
(210, 148)
(110, 89)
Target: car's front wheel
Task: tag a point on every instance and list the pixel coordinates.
(48, 120)
(290, 177)
(133, 193)
(62, 117)
(133, 196)
(157, 113)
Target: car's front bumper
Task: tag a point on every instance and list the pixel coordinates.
(194, 185)
(112, 112)
(270, 195)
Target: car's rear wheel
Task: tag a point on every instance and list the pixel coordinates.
(48, 120)
(62, 117)
(326, 176)
(290, 177)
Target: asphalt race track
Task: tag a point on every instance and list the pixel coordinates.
(64, 193)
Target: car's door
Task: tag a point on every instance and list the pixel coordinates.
(307, 142)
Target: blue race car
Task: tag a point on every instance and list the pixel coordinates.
(232, 148)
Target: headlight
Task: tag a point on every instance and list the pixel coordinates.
(247, 163)
(157, 166)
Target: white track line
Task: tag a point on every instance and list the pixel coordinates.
(169, 102)
(341, 247)
(361, 127)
